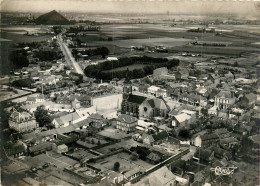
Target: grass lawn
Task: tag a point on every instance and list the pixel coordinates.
(130, 67)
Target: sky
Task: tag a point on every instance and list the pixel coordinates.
(240, 7)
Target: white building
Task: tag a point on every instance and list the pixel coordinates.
(22, 121)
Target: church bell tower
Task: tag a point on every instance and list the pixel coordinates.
(127, 89)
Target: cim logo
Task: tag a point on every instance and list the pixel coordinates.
(222, 171)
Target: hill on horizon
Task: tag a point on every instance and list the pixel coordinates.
(52, 18)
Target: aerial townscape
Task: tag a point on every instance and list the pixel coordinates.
(122, 99)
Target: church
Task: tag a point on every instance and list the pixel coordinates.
(141, 106)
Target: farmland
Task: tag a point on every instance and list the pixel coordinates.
(11, 35)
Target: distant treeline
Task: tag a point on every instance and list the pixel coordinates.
(28, 44)
(97, 71)
(83, 28)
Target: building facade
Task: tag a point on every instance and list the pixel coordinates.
(126, 123)
(224, 99)
(22, 122)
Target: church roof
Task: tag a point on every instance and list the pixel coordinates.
(157, 103)
(136, 99)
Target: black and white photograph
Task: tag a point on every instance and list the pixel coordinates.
(129, 92)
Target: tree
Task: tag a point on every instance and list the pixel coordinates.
(19, 58)
(79, 80)
(236, 64)
(204, 111)
(184, 133)
(133, 158)
(116, 166)
(104, 51)
(42, 116)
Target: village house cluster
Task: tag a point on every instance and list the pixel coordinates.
(169, 128)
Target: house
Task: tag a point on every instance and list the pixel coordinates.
(224, 99)
(161, 93)
(112, 58)
(220, 153)
(126, 123)
(32, 107)
(229, 77)
(144, 125)
(177, 110)
(156, 139)
(222, 133)
(75, 104)
(215, 79)
(40, 148)
(191, 113)
(213, 111)
(162, 177)
(115, 177)
(61, 148)
(256, 141)
(131, 174)
(201, 90)
(159, 72)
(206, 140)
(22, 121)
(35, 99)
(248, 100)
(228, 142)
(65, 120)
(143, 87)
(15, 150)
(135, 87)
(152, 90)
(181, 120)
(182, 74)
(96, 118)
(191, 98)
(203, 156)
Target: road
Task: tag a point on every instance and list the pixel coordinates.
(68, 56)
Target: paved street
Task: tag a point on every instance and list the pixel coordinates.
(68, 56)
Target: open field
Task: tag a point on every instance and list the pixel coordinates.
(113, 133)
(236, 51)
(110, 102)
(20, 37)
(11, 35)
(6, 94)
(108, 105)
(59, 160)
(165, 41)
(177, 38)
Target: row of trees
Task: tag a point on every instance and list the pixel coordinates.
(28, 44)
(103, 51)
(99, 71)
